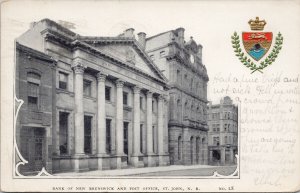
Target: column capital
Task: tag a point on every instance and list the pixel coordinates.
(136, 90)
(101, 77)
(149, 93)
(161, 98)
(78, 68)
(120, 83)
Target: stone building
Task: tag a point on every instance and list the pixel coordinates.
(35, 75)
(181, 63)
(109, 100)
(223, 132)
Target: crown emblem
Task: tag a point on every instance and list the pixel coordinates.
(257, 24)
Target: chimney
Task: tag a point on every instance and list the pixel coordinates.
(142, 39)
(129, 33)
(180, 33)
(200, 47)
(32, 24)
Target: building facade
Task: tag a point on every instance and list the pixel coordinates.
(35, 75)
(181, 63)
(109, 100)
(223, 132)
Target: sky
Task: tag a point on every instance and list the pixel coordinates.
(211, 23)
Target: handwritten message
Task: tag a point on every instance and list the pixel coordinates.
(269, 123)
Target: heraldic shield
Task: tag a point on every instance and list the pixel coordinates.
(257, 44)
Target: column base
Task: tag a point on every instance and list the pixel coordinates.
(151, 160)
(80, 163)
(121, 161)
(164, 160)
(137, 161)
(103, 161)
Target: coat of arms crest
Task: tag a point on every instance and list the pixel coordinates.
(257, 44)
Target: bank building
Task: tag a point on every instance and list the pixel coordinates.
(96, 103)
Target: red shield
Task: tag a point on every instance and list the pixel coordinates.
(257, 44)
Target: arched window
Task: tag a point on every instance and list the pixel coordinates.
(33, 90)
(179, 148)
(192, 149)
(178, 76)
(198, 150)
(178, 109)
(203, 140)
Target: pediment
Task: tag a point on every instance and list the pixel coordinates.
(130, 55)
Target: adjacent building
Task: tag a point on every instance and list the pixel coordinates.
(181, 62)
(223, 132)
(35, 84)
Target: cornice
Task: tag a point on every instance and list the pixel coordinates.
(124, 40)
(35, 54)
(73, 43)
(188, 93)
(84, 46)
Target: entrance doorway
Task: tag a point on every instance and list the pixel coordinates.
(33, 149)
(126, 139)
(216, 156)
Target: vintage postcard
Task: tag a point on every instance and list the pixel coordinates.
(150, 96)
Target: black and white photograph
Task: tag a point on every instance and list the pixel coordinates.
(150, 96)
(121, 105)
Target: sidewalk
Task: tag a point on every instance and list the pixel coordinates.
(134, 171)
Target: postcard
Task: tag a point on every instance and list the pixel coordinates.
(150, 96)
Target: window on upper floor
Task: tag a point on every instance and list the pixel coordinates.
(162, 54)
(87, 87)
(125, 98)
(33, 90)
(152, 57)
(216, 141)
(107, 93)
(141, 102)
(63, 81)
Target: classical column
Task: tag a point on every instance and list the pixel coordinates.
(79, 161)
(119, 123)
(103, 162)
(135, 158)
(136, 121)
(101, 132)
(160, 128)
(78, 92)
(150, 152)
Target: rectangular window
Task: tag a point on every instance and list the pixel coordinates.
(141, 138)
(87, 134)
(153, 106)
(108, 136)
(126, 137)
(162, 53)
(63, 132)
(153, 138)
(141, 102)
(216, 141)
(33, 94)
(226, 140)
(63, 80)
(107, 93)
(87, 87)
(125, 98)
(152, 57)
